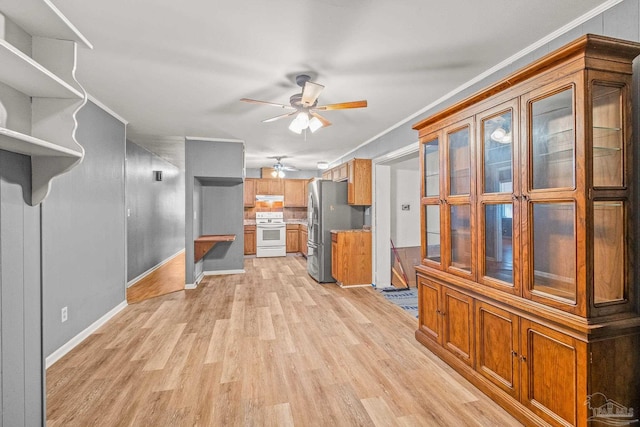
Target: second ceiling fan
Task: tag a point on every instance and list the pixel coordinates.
(305, 106)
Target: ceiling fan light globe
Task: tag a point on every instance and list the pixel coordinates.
(303, 120)
(314, 124)
(274, 173)
(295, 127)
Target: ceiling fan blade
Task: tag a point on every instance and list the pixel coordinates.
(255, 101)
(310, 93)
(324, 121)
(282, 116)
(342, 106)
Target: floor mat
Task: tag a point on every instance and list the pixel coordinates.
(407, 300)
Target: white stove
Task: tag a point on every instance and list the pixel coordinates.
(271, 234)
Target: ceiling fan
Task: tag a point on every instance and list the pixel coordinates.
(305, 106)
(279, 169)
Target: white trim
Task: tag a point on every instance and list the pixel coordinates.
(152, 269)
(221, 272)
(107, 109)
(198, 138)
(191, 286)
(524, 52)
(73, 342)
(363, 285)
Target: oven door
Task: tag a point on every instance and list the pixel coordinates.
(271, 235)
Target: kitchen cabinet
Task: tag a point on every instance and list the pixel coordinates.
(527, 210)
(351, 257)
(249, 239)
(269, 186)
(249, 192)
(446, 317)
(302, 240)
(39, 118)
(293, 238)
(357, 173)
(359, 182)
(295, 193)
(339, 173)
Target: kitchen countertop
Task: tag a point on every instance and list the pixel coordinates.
(356, 230)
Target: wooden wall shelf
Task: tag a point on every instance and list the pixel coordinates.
(205, 243)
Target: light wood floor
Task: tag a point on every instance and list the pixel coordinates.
(267, 348)
(170, 277)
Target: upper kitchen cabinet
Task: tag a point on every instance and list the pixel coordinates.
(270, 186)
(359, 182)
(39, 94)
(249, 192)
(527, 207)
(295, 193)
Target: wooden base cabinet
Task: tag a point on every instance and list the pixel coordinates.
(249, 239)
(292, 238)
(351, 257)
(528, 218)
(543, 373)
(446, 316)
(302, 240)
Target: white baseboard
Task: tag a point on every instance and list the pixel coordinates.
(211, 273)
(73, 342)
(152, 269)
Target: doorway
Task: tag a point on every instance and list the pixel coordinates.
(396, 213)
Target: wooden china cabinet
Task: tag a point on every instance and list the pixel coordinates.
(526, 284)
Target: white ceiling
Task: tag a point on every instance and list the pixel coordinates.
(179, 68)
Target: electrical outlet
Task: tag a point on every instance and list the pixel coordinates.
(63, 314)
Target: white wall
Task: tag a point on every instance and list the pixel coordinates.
(405, 225)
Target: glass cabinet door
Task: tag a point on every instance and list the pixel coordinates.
(554, 250)
(497, 152)
(432, 232)
(431, 164)
(459, 162)
(460, 235)
(459, 244)
(608, 166)
(431, 200)
(552, 139)
(497, 200)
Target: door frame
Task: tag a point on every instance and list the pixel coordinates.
(381, 213)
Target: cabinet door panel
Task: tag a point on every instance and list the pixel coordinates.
(429, 318)
(249, 193)
(497, 337)
(550, 380)
(457, 324)
(553, 142)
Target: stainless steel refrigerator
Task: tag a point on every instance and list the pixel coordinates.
(327, 210)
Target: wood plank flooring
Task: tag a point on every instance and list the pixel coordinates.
(267, 348)
(170, 277)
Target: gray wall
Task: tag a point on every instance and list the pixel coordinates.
(83, 232)
(155, 221)
(21, 362)
(214, 169)
(216, 219)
